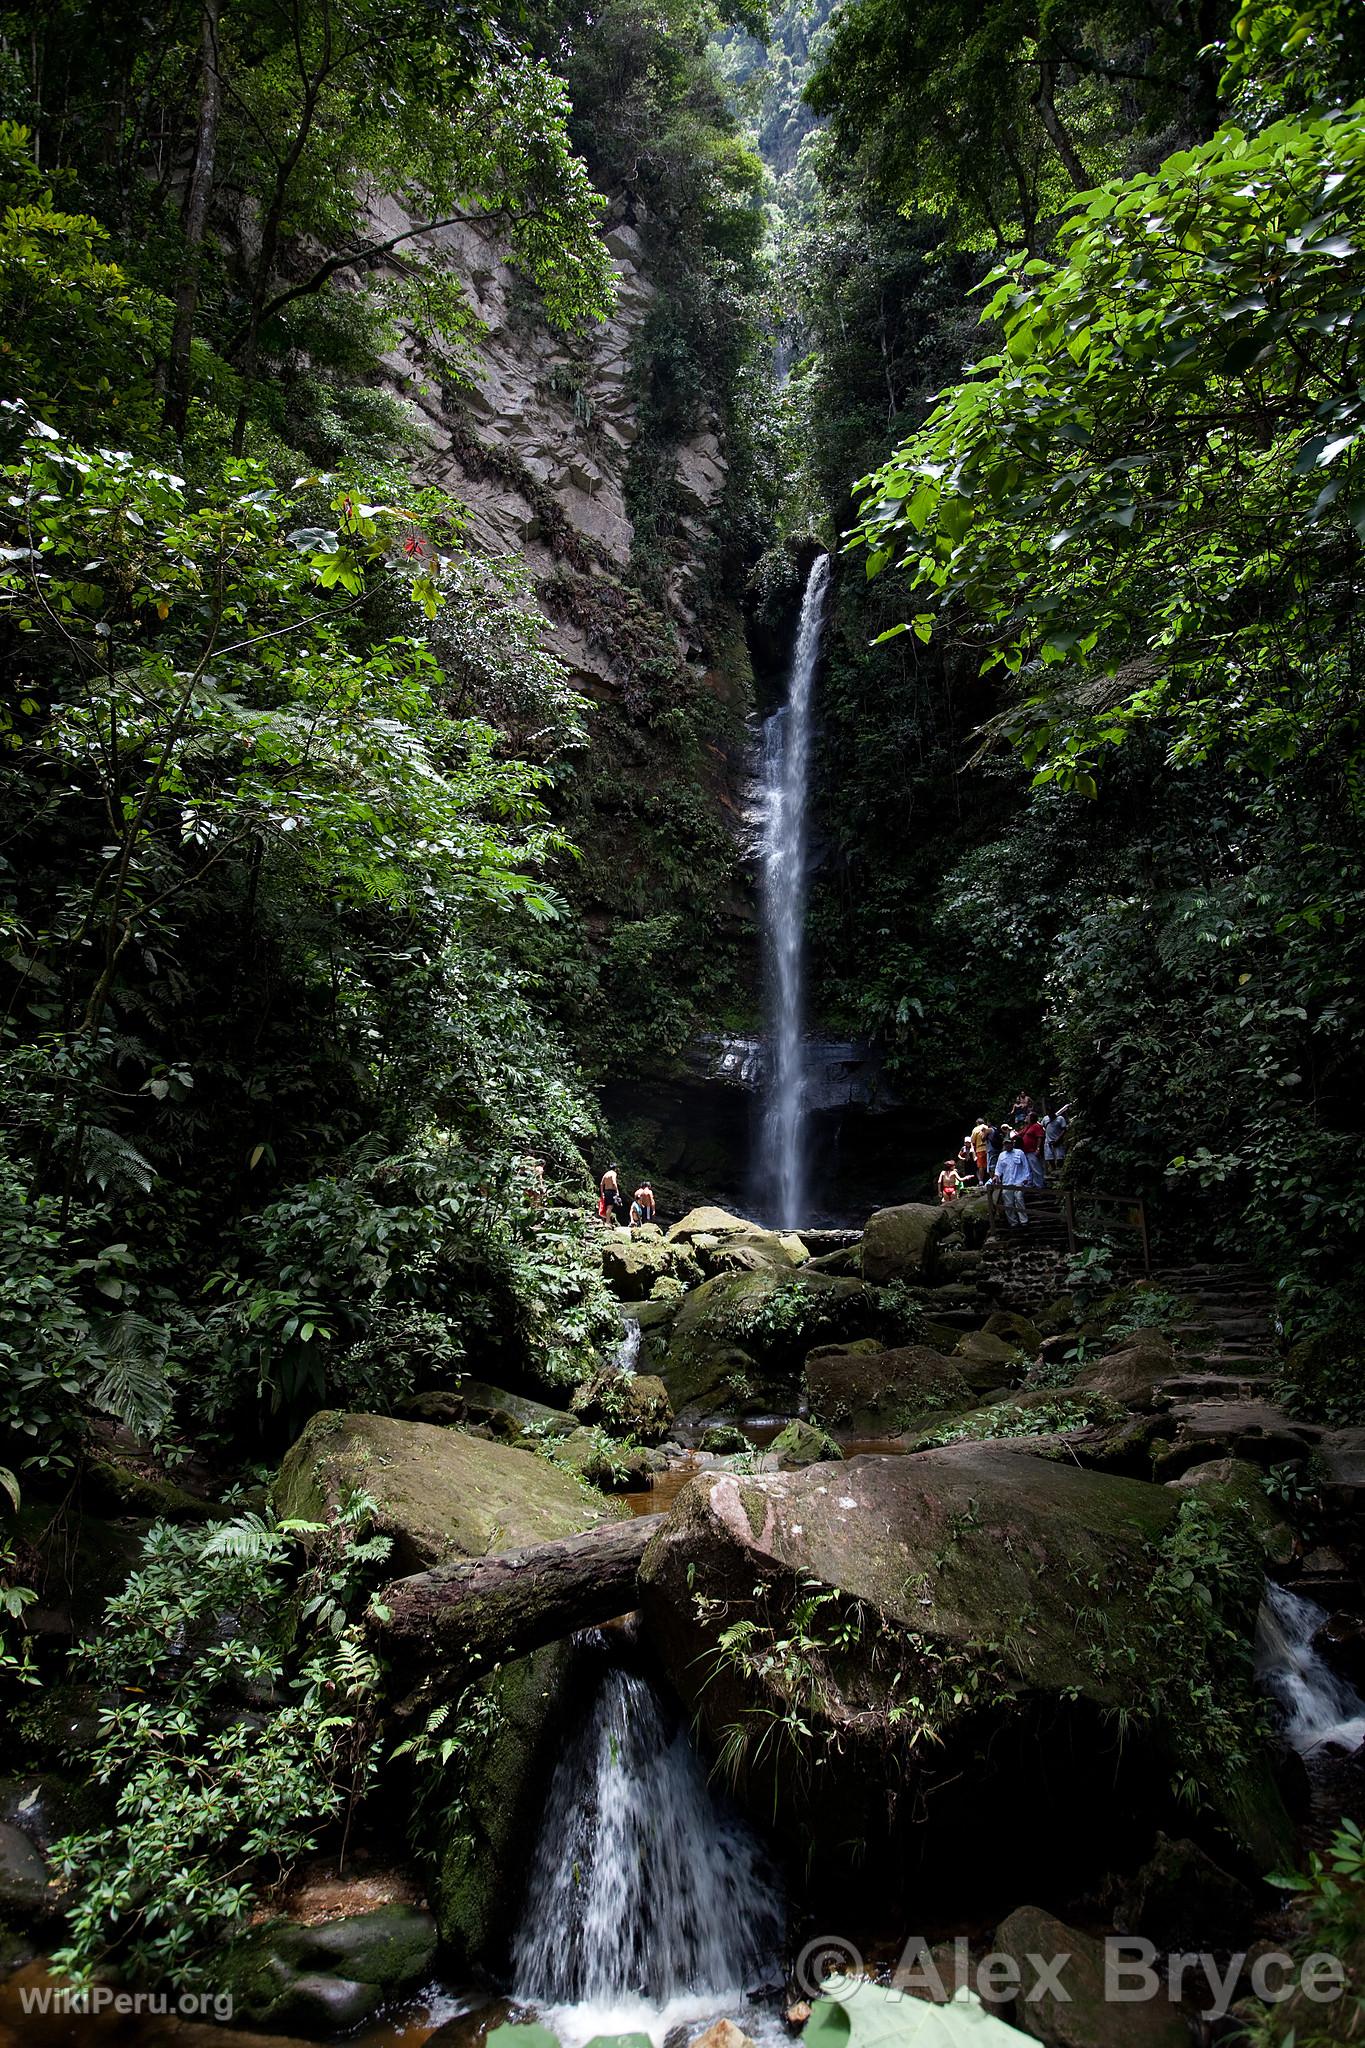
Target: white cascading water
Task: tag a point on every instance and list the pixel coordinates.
(627, 1352)
(647, 1905)
(1322, 1712)
(786, 777)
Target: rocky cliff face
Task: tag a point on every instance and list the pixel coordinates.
(539, 447)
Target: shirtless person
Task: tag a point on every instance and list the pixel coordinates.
(611, 1203)
(644, 1201)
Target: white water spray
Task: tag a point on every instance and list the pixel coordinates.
(647, 1905)
(1322, 1712)
(786, 776)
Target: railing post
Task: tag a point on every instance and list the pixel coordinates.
(1069, 1215)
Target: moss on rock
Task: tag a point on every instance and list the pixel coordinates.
(903, 1243)
(800, 1443)
(440, 1493)
(866, 1391)
(486, 1835)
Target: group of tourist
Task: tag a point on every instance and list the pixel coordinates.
(1014, 1155)
(611, 1202)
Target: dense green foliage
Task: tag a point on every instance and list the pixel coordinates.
(1147, 506)
(1090, 784)
(290, 905)
(205, 1790)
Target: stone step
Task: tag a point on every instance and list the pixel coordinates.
(1214, 1385)
(1342, 1455)
(1212, 1274)
(1245, 1419)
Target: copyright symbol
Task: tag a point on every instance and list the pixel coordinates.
(828, 1955)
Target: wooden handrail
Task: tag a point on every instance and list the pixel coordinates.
(1068, 1197)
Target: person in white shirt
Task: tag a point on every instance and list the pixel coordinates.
(1012, 1175)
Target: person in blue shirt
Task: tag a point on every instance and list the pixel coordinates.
(1012, 1175)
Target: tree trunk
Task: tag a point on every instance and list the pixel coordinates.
(1046, 103)
(196, 220)
(517, 1600)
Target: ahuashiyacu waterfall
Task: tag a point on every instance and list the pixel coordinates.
(786, 777)
(648, 1906)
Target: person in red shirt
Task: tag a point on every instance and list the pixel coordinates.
(1031, 1142)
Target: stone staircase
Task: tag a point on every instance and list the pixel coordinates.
(1225, 1388)
(1024, 1266)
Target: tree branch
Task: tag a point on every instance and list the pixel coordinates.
(334, 264)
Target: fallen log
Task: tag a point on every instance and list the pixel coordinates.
(515, 1600)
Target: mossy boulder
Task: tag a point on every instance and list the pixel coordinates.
(800, 1443)
(986, 1361)
(865, 1391)
(475, 1401)
(1034, 1412)
(633, 1266)
(724, 1438)
(903, 1243)
(114, 1488)
(629, 1404)
(1016, 1330)
(720, 1242)
(440, 1493)
(1057, 1315)
(1005, 1594)
(592, 1456)
(487, 1835)
(1234, 1485)
(709, 1221)
(330, 1977)
(1182, 1899)
(737, 1341)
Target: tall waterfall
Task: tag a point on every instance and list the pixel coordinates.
(786, 776)
(647, 1905)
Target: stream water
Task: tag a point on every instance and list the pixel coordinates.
(1322, 1713)
(648, 1905)
(781, 1161)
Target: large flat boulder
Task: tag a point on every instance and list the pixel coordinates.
(439, 1493)
(709, 1221)
(866, 1392)
(723, 1243)
(903, 1243)
(978, 1649)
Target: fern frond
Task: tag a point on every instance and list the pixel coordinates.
(133, 1386)
(109, 1158)
(249, 1536)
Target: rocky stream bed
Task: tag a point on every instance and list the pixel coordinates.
(847, 1600)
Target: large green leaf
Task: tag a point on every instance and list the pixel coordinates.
(866, 2015)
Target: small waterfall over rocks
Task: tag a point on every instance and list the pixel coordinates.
(1322, 1712)
(781, 1192)
(647, 1904)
